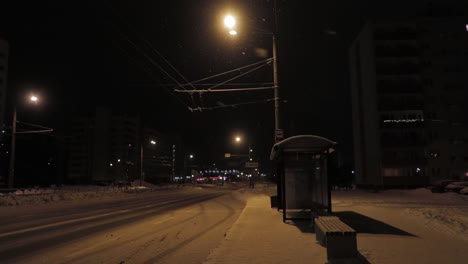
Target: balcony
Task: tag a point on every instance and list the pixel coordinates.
(404, 68)
(394, 105)
(402, 125)
(402, 162)
(397, 51)
(403, 33)
(402, 142)
(399, 89)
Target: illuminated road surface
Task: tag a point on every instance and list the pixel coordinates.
(160, 227)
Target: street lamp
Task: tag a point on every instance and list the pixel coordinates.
(230, 22)
(238, 140)
(152, 142)
(11, 174)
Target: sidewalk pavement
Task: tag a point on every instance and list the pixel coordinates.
(260, 236)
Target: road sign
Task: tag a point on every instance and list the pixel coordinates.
(279, 135)
(251, 164)
(227, 155)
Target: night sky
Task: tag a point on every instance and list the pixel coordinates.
(84, 54)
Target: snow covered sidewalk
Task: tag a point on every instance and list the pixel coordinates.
(260, 236)
(395, 226)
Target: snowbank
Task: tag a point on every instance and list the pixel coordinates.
(75, 193)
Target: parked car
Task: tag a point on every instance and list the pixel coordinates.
(464, 190)
(439, 186)
(456, 186)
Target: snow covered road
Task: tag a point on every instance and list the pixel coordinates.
(162, 227)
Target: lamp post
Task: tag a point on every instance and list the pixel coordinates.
(230, 22)
(238, 140)
(11, 175)
(152, 142)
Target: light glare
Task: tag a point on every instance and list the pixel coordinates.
(34, 98)
(232, 32)
(229, 21)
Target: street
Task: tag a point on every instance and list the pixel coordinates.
(170, 226)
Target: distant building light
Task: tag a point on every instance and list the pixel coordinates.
(403, 120)
(352, 172)
(118, 160)
(466, 27)
(418, 169)
(111, 164)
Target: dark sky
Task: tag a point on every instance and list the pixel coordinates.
(84, 54)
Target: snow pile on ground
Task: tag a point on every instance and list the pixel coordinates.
(417, 197)
(442, 212)
(448, 220)
(36, 196)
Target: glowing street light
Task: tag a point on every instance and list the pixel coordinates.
(11, 173)
(238, 139)
(152, 142)
(229, 21)
(191, 156)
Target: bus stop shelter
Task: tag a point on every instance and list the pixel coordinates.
(303, 184)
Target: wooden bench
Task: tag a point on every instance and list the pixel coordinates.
(338, 237)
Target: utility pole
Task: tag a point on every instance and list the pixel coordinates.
(141, 163)
(11, 174)
(279, 133)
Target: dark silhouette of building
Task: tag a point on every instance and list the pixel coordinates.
(110, 148)
(408, 85)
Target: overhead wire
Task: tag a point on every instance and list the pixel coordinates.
(225, 90)
(238, 104)
(233, 70)
(151, 75)
(240, 75)
(151, 60)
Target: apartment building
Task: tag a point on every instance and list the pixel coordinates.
(409, 81)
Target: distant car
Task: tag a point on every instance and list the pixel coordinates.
(439, 186)
(456, 186)
(464, 191)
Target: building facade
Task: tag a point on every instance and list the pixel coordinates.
(409, 80)
(3, 79)
(109, 148)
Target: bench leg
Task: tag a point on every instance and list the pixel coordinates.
(341, 247)
(320, 236)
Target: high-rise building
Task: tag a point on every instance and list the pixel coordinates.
(3, 79)
(409, 84)
(108, 148)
